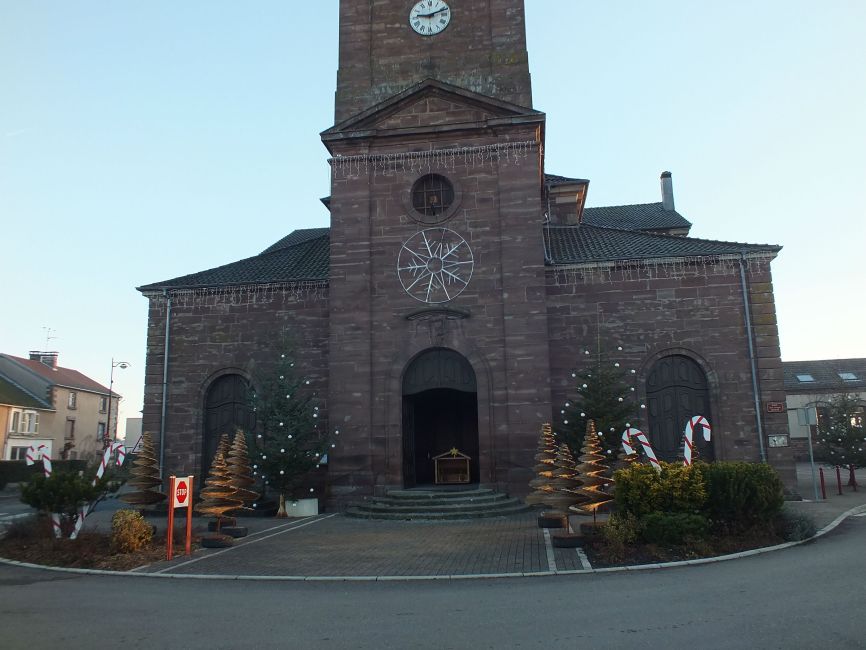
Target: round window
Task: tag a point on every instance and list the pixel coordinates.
(432, 196)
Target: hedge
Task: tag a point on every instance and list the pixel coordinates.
(17, 471)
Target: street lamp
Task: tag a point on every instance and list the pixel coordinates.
(106, 436)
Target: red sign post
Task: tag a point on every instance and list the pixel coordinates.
(180, 496)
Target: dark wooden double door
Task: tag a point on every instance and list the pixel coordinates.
(677, 390)
(227, 408)
(440, 413)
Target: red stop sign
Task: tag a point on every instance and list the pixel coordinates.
(181, 491)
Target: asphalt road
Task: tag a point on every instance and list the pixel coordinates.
(808, 596)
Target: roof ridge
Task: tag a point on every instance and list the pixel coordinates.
(624, 205)
(658, 235)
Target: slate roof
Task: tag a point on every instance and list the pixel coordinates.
(586, 243)
(642, 216)
(826, 375)
(13, 395)
(302, 255)
(60, 376)
(552, 180)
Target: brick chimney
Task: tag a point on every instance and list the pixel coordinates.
(667, 191)
(48, 358)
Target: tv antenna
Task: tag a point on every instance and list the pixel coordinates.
(48, 337)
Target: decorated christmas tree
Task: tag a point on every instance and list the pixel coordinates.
(544, 464)
(603, 394)
(145, 476)
(240, 472)
(842, 432)
(592, 471)
(290, 443)
(218, 496)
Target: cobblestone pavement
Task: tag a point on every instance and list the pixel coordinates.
(334, 545)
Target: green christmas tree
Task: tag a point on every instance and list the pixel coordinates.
(603, 395)
(290, 442)
(842, 432)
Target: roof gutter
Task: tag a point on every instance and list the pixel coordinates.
(167, 297)
(747, 310)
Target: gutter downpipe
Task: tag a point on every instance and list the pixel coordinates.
(164, 384)
(747, 310)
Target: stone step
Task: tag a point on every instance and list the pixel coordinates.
(440, 493)
(387, 505)
(489, 499)
(439, 515)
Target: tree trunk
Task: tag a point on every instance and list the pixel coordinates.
(281, 513)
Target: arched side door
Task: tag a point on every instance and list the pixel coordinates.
(227, 407)
(677, 389)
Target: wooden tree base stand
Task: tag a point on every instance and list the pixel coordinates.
(217, 541)
(552, 520)
(235, 531)
(567, 540)
(226, 521)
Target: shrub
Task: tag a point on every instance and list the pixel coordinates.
(795, 526)
(621, 531)
(742, 494)
(641, 490)
(130, 532)
(63, 493)
(674, 528)
(18, 471)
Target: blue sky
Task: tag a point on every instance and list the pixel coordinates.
(142, 141)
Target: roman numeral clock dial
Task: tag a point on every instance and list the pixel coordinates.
(430, 17)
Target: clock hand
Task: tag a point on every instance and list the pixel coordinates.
(431, 15)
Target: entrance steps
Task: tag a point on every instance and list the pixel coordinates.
(434, 504)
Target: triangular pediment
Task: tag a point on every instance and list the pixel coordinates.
(430, 105)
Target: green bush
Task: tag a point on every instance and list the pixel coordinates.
(129, 531)
(742, 494)
(63, 493)
(674, 528)
(795, 526)
(641, 490)
(620, 532)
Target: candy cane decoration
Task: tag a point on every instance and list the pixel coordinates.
(630, 433)
(688, 446)
(33, 455)
(118, 447)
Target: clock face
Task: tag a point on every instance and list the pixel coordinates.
(435, 265)
(430, 17)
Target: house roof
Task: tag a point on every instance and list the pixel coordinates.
(13, 395)
(641, 216)
(301, 255)
(586, 243)
(552, 180)
(826, 375)
(59, 376)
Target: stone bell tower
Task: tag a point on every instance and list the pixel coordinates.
(438, 325)
(481, 47)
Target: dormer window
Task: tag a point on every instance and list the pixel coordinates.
(805, 378)
(847, 376)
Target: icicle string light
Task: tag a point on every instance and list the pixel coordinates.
(425, 161)
(250, 294)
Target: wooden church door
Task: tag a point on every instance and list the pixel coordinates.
(227, 407)
(677, 389)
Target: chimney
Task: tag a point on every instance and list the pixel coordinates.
(48, 358)
(667, 191)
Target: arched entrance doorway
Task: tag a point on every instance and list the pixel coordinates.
(440, 412)
(227, 407)
(677, 389)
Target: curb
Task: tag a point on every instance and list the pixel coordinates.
(429, 578)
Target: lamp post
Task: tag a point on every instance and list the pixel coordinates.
(106, 436)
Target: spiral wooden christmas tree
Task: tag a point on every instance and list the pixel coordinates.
(592, 472)
(562, 491)
(545, 460)
(218, 496)
(240, 472)
(223, 446)
(145, 476)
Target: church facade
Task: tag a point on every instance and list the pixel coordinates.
(460, 283)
